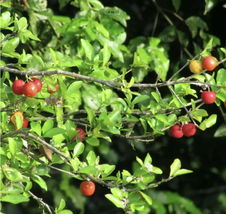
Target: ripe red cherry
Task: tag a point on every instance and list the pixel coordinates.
(81, 134)
(56, 89)
(208, 97)
(25, 122)
(18, 86)
(37, 82)
(209, 63)
(189, 129)
(176, 131)
(30, 89)
(87, 188)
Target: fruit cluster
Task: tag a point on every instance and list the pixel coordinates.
(208, 63)
(29, 88)
(178, 131)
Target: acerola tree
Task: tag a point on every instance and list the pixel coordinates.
(86, 88)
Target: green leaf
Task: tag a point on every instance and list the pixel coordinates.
(36, 127)
(14, 198)
(37, 179)
(175, 166)
(221, 131)
(88, 48)
(195, 23)
(91, 158)
(54, 131)
(176, 4)
(93, 141)
(140, 98)
(116, 14)
(15, 145)
(146, 198)
(117, 193)
(182, 172)
(78, 149)
(117, 202)
(12, 174)
(106, 54)
(47, 125)
(65, 212)
(22, 24)
(207, 123)
(5, 19)
(209, 5)
(198, 114)
(75, 163)
(61, 205)
(89, 170)
(221, 77)
(147, 160)
(106, 169)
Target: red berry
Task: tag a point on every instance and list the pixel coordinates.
(18, 86)
(176, 131)
(37, 82)
(81, 134)
(209, 63)
(56, 89)
(208, 97)
(189, 129)
(87, 188)
(30, 89)
(25, 122)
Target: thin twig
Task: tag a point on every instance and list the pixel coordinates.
(178, 98)
(41, 202)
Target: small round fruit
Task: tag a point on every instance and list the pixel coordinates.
(208, 97)
(195, 66)
(25, 122)
(56, 89)
(37, 82)
(80, 134)
(225, 103)
(87, 188)
(189, 129)
(18, 86)
(209, 63)
(176, 131)
(30, 89)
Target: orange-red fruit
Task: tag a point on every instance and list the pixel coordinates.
(37, 82)
(18, 86)
(189, 129)
(208, 97)
(56, 89)
(25, 122)
(195, 66)
(87, 188)
(81, 134)
(209, 63)
(176, 131)
(30, 89)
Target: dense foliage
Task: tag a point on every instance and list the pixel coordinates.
(103, 100)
